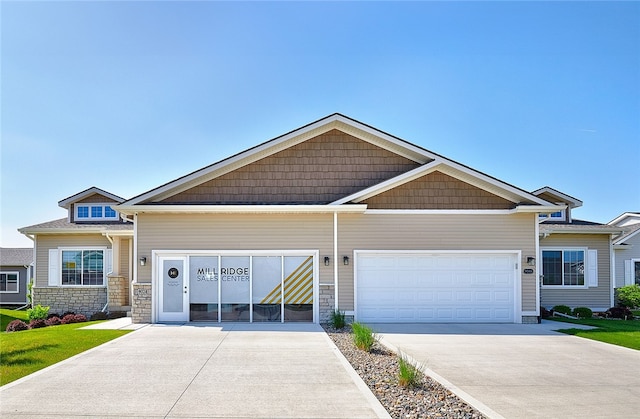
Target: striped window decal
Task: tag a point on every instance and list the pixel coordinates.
(298, 286)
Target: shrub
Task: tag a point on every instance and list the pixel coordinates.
(620, 313)
(409, 374)
(38, 312)
(99, 315)
(337, 319)
(562, 309)
(73, 318)
(79, 318)
(363, 336)
(544, 313)
(16, 326)
(629, 295)
(37, 323)
(583, 312)
(53, 321)
(53, 315)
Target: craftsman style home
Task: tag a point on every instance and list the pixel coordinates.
(333, 215)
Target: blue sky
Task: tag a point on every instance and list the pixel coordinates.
(126, 96)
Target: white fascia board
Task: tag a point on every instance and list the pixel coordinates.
(440, 212)
(624, 239)
(578, 231)
(576, 202)
(621, 217)
(63, 231)
(622, 246)
(242, 209)
(540, 208)
(88, 192)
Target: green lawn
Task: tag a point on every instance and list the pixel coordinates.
(22, 353)
(617, 332)
(7, 316)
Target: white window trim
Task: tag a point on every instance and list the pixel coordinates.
(548, 217)
(105, 268)
(633, 271)
(563, 249)
(92, 205)
(17, 282)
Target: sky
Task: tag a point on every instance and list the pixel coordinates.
(127, 96)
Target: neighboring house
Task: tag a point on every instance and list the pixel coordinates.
(626, 249)
(575, 257)
(16, 270)
(83, 261)
(336, 215)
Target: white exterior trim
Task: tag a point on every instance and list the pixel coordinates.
(91, 191)
(241, 209)
(518, 210)
(563, 249)
(17, 274)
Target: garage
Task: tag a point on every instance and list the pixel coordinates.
(437, 287)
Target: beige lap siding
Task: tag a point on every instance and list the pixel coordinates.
(46, 242)
(235, 232)
(593, 297)
(436, 232)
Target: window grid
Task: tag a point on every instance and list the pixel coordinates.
(82, 267)
(563, 267)
(95, 212)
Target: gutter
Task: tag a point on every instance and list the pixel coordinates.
(240, 209)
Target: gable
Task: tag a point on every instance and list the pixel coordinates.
(437, 190)
(96, 198)
(317, 171)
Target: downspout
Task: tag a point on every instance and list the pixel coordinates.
(335, 260)
(612, 272)
(33, 239)
(107, 278)
(539, 261)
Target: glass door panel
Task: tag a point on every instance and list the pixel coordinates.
(203, 280)
(267, 288)
(235, 275)
(298, 289)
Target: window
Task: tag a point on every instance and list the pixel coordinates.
(8, 282)
(563, 267)
(82, 267)
(555, 216)
(637, 272)
(95, 212)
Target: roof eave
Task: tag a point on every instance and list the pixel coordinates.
(240, 209)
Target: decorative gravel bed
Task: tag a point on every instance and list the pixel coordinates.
(379, 370)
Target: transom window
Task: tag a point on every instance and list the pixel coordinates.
(8, 282)
(95, 212)
(563, 267)
(82, 267)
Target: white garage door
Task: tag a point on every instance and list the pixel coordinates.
(435, 287)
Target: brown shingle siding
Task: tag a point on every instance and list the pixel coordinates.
(437, 191)
(320, 170)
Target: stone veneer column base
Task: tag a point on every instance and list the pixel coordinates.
(530, 319)
(141, 307)
(326, 302)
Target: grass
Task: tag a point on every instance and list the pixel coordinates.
(363, 336)
(616, 332)
(7, 316)
(409, 374)
(22, 353)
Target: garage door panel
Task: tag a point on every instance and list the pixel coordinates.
(436, 287)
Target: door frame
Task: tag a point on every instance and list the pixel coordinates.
(157, 273)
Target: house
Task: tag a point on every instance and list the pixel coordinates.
(576, 259)
(16, 270)
(83, 262)
(336, 215)
(626, 249)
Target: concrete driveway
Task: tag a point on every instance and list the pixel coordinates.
(525, 371)
(238, 370)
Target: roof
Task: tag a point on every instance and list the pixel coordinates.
(577, 227)
(65, 203)
(573, 202)
(427, 160)
(12, 256)
(629, 231)
(620, 219)
(64, 226)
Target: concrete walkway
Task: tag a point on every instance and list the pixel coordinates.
(196, 370)
(524, 371)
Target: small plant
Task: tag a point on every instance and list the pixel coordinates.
(337, 320)
(629, 296)
(30, 292)
(73, 318)
(16, 326)
(37, 323)
(562, 309)
(363, 337)
(583, 312)
(38, 312)
(620, 313)
(409, 374)
(53, 321)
